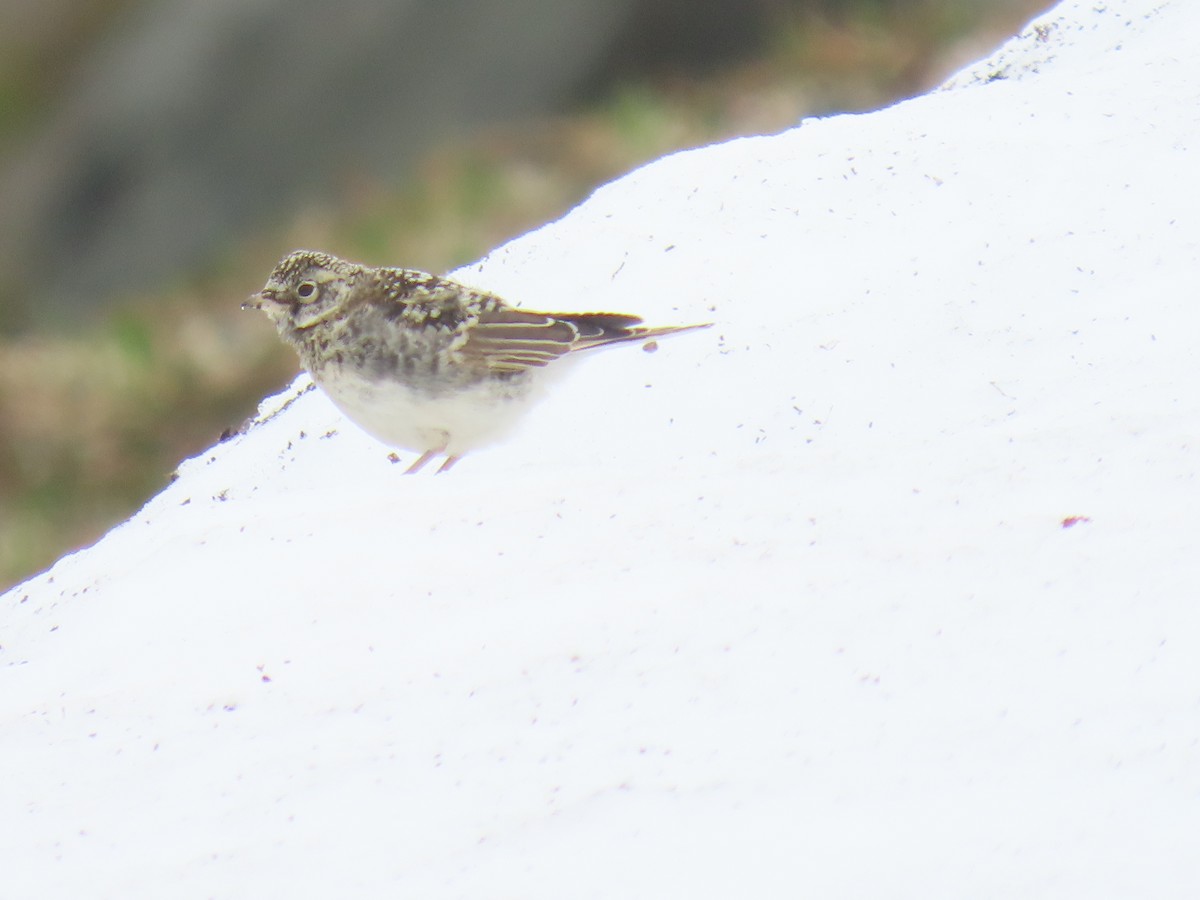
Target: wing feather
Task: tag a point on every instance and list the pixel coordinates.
(513, 340)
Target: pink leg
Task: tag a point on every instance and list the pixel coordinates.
(421, 461)
(448, 464)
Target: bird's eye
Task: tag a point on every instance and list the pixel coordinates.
(307, 290)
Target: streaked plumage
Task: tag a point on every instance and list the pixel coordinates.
(421, 362)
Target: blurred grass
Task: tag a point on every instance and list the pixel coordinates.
(94, 423)
(38, 43)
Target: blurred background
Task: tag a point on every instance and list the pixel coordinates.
(158, 156)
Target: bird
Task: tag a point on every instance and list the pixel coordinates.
(421, 362)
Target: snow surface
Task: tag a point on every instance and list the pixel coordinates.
(887, 586)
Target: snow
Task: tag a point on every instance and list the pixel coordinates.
(884, 586)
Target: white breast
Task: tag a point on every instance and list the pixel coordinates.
(454, 422)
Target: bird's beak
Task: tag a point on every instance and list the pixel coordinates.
(256, 301)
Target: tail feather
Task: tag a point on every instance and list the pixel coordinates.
(514, 340)
(602, 329)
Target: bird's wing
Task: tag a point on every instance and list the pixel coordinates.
(422, 300)
(499, 337)
(512, 340)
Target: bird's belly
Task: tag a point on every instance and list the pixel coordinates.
(453, 420)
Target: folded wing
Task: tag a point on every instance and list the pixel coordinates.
(513, 340)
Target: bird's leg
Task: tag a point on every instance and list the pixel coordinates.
(430, 454)
(421, 461)
(448, 464)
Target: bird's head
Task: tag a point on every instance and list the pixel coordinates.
(307, 287)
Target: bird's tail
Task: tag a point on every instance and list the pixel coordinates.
(602, 329)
